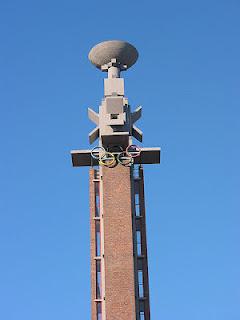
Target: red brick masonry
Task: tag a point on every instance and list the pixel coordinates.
(120, 297)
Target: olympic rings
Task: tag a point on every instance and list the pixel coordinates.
(133, 151)
(124, 159)
(115, 154)
(97, 151)
(107, 160)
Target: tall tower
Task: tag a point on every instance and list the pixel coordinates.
(119, 266)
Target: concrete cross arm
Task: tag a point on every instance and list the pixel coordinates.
(136, 115)
(93, 135)
(83, 158)
(137, 133)
(93, 116)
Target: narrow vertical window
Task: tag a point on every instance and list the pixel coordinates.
(141, 310)
(97, 200)
(136, 198)
(99, 311)
(96, 174)
(136, 172)
(140, 284)
(139, 243)
(98, 238)
(137, 204)
(98, 279)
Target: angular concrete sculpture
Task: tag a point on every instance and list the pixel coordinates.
(115, 123)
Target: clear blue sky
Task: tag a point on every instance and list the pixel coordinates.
(187, 79)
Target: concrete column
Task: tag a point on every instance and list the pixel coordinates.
(113, 72)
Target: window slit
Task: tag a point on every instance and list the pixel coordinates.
(98, 238)
(98, 279)
(137, 204)
(97, 200)
(142, 315)
(139, 243)
(140, 284)
(99, 311)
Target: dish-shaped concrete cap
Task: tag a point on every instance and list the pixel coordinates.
(124, 52)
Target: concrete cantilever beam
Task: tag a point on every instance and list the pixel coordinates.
(83, 158)
(93, 116)
(136, 115)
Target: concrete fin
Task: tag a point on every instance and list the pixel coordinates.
(93, 116)
(136, 115)
(93, 135)
(137, 133)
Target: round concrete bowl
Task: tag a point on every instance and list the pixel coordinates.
(124, 52)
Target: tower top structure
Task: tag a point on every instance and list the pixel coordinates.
(114, 119)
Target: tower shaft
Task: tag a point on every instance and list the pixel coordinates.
(119, 274)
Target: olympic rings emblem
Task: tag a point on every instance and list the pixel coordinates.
(124, 159)
(133, 151)
(98, 152)
(108, 160)
(116, 154)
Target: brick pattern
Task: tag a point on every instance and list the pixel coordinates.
(119, 251)
(118, 244)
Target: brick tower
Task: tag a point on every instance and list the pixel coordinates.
(119, 266)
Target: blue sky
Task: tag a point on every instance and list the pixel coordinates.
(187, 80)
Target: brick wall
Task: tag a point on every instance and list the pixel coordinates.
(118, 244)
(119, 256)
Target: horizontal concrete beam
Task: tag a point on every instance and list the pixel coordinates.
(83, 158)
